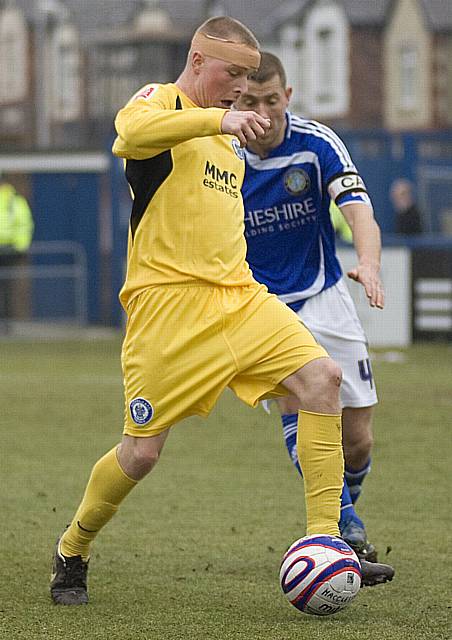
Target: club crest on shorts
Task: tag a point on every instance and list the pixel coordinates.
(239, 152)
(296, 181)
(141, 411)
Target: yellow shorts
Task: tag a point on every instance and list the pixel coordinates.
(185, 344)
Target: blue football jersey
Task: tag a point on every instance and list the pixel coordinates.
(290, 237)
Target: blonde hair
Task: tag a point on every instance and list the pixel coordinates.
(229, 29)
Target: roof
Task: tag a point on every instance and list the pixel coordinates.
(94, 16)
(366, 12)
(358, 12)
(438, 14)
(263, 17)
(285, 12)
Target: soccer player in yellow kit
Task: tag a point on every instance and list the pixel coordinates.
(197, 321)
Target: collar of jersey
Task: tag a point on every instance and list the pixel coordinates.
(184, 96)
(288, 125)
(276, 150)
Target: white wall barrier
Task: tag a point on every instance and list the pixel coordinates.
(391, 326)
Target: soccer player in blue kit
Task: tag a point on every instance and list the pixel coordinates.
(292, 174)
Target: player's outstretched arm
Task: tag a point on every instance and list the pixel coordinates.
(367, 241)
(146, 127)
(246, 125)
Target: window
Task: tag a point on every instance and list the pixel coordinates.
(324, 61)
(113, 78)
(13, 56)
(325, 88)
(66, 104)
(409, 81)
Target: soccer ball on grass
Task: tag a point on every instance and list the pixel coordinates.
(320, 575)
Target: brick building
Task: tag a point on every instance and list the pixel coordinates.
(66, 66)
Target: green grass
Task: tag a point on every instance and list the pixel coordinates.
(195, 550)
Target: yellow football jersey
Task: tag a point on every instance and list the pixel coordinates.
(187, 221)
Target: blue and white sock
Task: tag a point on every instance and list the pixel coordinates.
(290, 426)
(348, 513)
(355, 479)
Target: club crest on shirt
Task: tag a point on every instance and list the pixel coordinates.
(296, 181)
(239, 152)
(141, 411)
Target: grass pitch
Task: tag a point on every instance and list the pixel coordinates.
(194, 552)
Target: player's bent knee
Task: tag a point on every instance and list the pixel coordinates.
(145, 454)
(327, 375)
(322, 376)
(138, 456)
(333, 372)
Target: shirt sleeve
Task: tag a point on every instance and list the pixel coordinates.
(147, 126)
(340, 175)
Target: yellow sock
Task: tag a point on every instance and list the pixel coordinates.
(319, 446)
(106, 489)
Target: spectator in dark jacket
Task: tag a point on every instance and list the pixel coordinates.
(407, 215)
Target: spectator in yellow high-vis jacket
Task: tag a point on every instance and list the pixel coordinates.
(16, 231)
(340, 224)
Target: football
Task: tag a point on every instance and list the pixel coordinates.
(320, 575)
